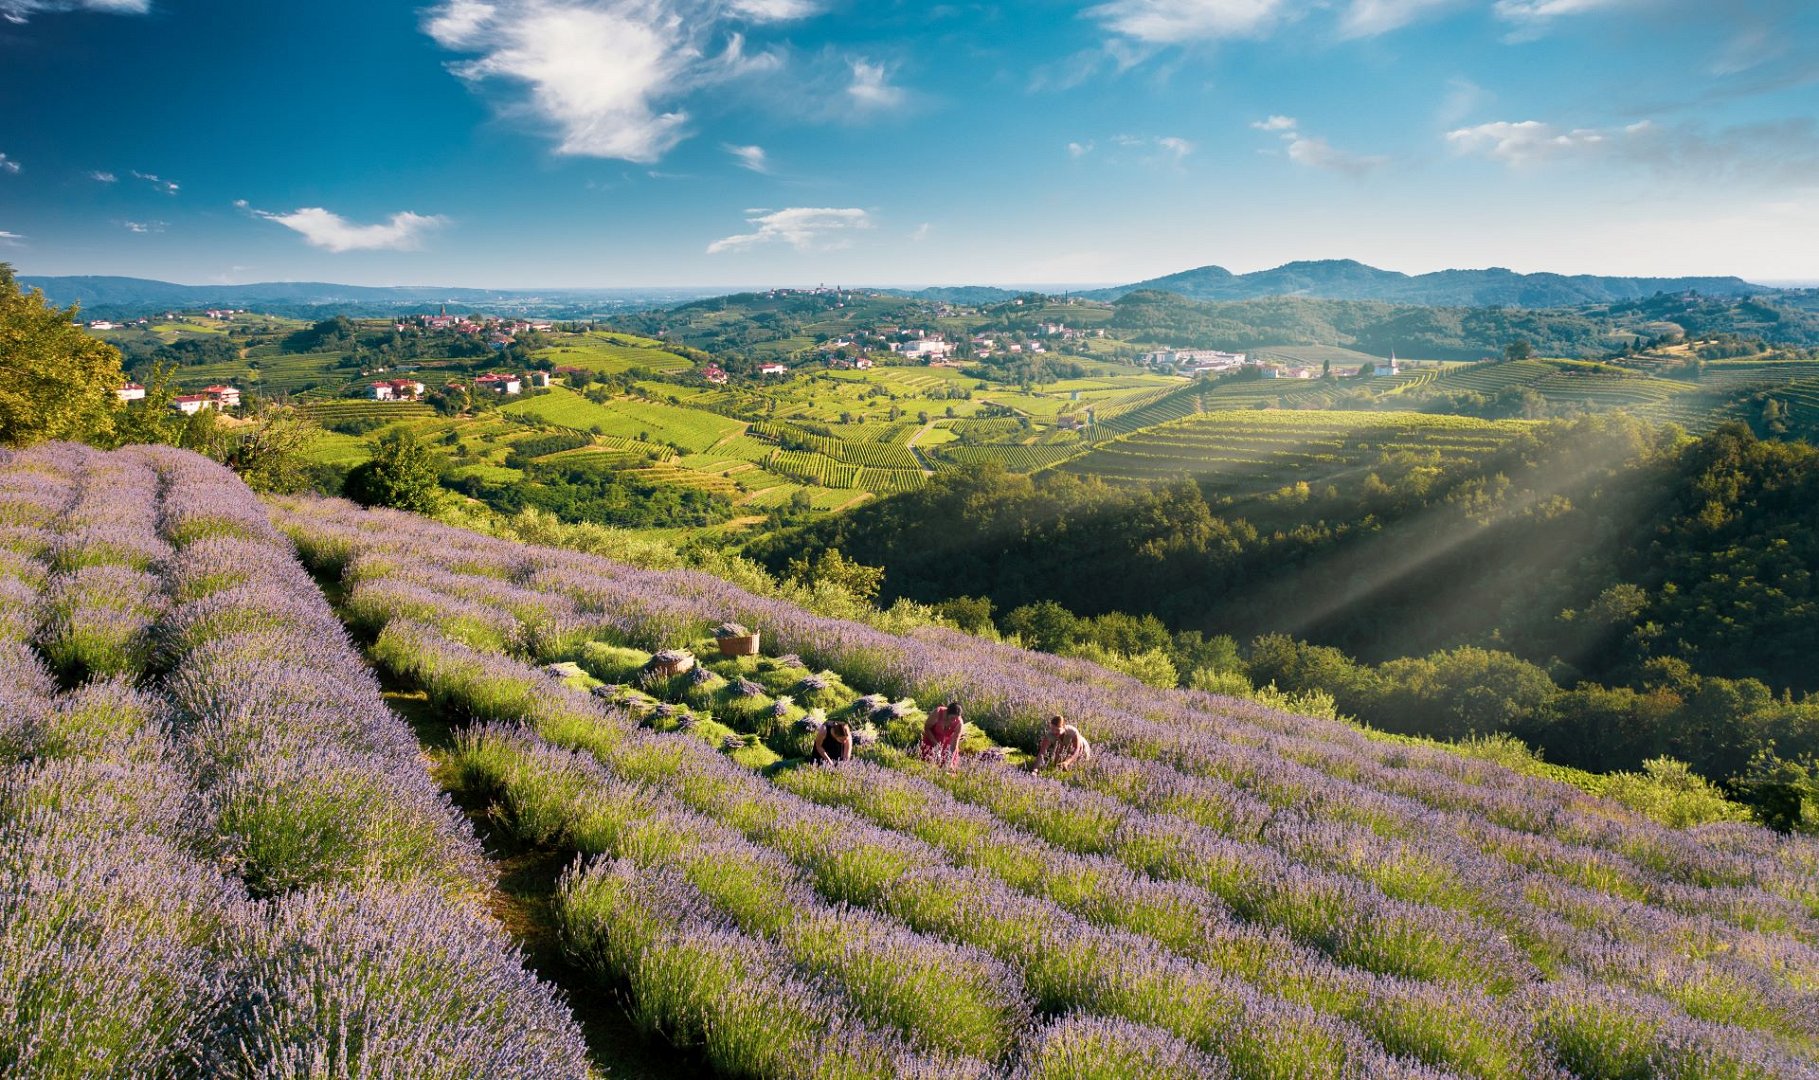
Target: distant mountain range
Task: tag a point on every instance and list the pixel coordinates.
(1332, 279)
(1346, 279)
(127, 295)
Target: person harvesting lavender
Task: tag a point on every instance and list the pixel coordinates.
(1062, 746)
(833, 743)
(941, 736)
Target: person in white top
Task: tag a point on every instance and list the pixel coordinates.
(1062, 746)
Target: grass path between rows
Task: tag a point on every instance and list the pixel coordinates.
(525, 885)
(521, 899)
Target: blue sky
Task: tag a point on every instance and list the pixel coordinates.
(527, 143)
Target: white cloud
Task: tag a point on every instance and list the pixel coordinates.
(1175, 147)
(1368, 18)
(802, 228)
(332, 232)
(1534, 11)
(8, 165)
(143, 227)
(1165, 22)
(17, 11)
(749, 157)
(1315, 152)
(1162, 150)
(871, 87)
(606, 76)
(102, 177)
(1524, 142)
(775, 10)
(168, 187)
(9, 239)
(922, 232)
(1079, 150)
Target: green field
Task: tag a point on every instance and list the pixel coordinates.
(1250, 452)
(609, 353)
(690, 430)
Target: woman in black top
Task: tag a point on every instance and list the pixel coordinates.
(833, 743)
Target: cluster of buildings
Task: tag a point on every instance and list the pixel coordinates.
(1196, 361)
(1193, 362)
(395, 390)
(499, 332)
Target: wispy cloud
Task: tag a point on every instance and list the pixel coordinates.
(1782, 152)
(332, 232)
(1078, 150)
(100, 176)
(749, 157)
(922, 232)
(606, 76)
(1368, 18)
(1156, 150)
(159, 183)
(10, 239)
(803, 228)
(8, 165)
(144, 226)
(1314, 152)
(1168, 22)
(1532, 12)
(18, 11)
(775, 10)
(871, 86)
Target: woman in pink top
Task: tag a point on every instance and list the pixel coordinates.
(941, 736)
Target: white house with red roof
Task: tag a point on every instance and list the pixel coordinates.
(228, 397)
(500, 383)
(395, 390)
(132, 391)
(773, 369)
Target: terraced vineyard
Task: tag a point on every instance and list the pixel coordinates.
(1250, 451)
(333, 412)
(272, 373)
(1222, 891)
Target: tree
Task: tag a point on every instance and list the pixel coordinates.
(268, 454)
(56, 382)
(402, 474)
(1518, 350)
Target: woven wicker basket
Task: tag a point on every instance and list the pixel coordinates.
(739, 646)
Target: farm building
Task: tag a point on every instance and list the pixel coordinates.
(715, 374)
(540, 379)
(773, 369)
(396, 390)
(928, 348)
(132, 391)
(500, 383)
(191, 404)
(226, 397)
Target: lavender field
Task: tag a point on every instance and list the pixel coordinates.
(225, 854)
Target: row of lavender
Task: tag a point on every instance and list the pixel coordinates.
(1585, 1024)
(770, 845)
(1719, 919)
(221, 856)
(1737, 873)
